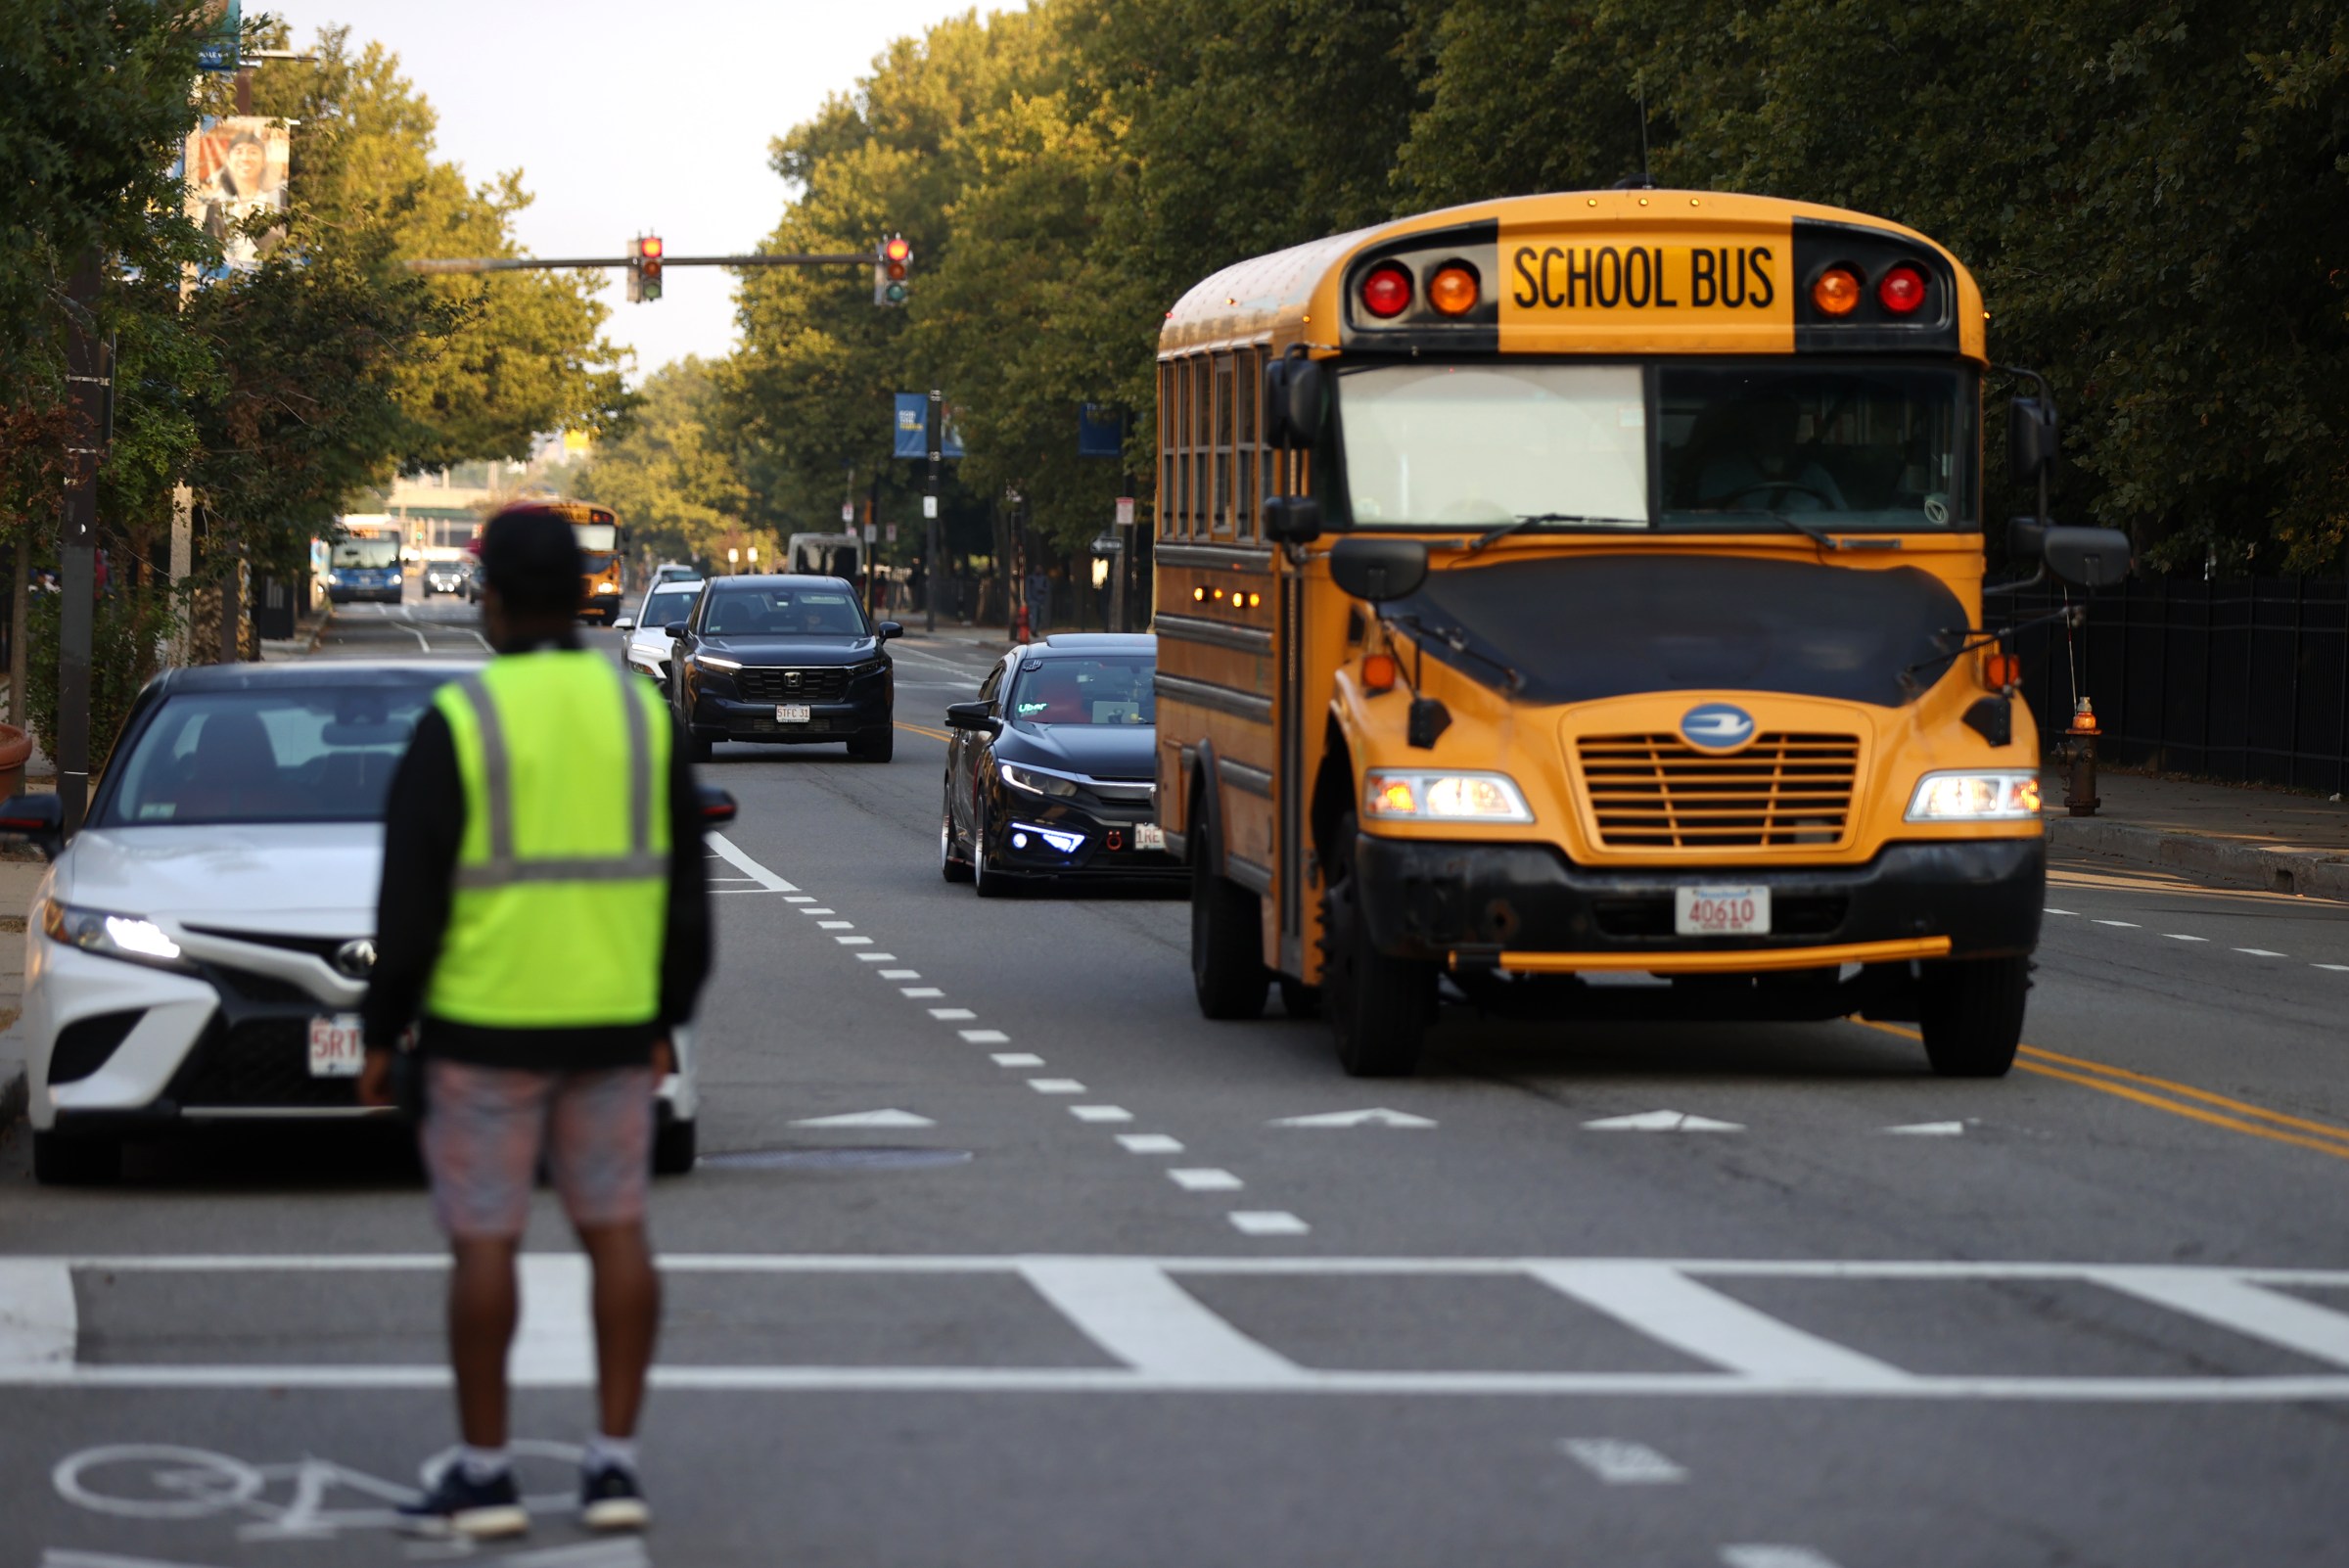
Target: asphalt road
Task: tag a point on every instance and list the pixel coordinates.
(1076, 1288)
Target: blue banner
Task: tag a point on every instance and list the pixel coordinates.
(913, 424)
(220, 50)
(1100, 431)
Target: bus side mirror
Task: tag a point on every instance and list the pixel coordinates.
(1292, 518)
(2026, 539)
(2087, 558)
(1378, 570)
(1296, 395)
(2031, 444)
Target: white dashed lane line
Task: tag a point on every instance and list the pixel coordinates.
(1193, 1179)
(2181, 936)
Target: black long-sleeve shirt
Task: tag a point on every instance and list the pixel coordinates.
(423, 824)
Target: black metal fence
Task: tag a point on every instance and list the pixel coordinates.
(2243, 680)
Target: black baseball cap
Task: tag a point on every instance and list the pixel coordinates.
(530, 555)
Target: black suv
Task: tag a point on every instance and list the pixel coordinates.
(784, 661)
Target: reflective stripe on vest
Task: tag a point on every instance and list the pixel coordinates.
(503, 868)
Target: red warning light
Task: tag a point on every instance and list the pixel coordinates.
(896, 250)
(649, 246)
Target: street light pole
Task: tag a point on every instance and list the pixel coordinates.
(929, 514)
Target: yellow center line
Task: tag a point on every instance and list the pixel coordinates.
(918, 729)
(2329, 1139)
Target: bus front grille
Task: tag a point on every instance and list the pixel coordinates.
(1657, 791)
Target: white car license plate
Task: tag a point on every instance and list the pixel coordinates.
(1149, 836)
(794, 714)
(1721, 912)
(336, 1047)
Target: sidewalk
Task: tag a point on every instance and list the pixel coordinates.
(2268, 839)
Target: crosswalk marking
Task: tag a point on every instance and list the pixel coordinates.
(1142, 1310)
(1662, 1303)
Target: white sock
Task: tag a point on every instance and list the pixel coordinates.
(610, 1454)
(483, 1464)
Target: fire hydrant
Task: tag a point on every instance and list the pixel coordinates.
(2080, 756)
(1018, 625)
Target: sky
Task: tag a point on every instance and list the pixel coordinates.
(667, 132)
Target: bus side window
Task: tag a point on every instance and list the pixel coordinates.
(1247, 385)
(1203, 440)
(1169, 410)
(1223, 444)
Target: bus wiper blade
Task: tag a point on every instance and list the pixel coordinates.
(1495, 536)
(1820, 537)
(1456, 639)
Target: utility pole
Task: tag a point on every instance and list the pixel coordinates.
(78, 538)
(930, 563)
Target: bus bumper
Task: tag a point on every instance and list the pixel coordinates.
(1525, 907)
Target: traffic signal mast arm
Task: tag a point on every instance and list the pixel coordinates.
(459, 265)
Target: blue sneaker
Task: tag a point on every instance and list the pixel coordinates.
(477, 1511)
(611, 1499)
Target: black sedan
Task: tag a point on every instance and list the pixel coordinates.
(784, 661)
(1052, 771)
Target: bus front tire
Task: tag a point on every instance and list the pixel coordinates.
(1970, 1012)
(1377, 1006)
(1227, 956)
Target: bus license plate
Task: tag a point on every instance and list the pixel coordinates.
(1721, 912)
(336, 1049)
(792, 714)
(1149, 836)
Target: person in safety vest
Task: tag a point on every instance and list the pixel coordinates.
(544, 922)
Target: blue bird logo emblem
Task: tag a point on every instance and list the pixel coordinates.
(1716, 728)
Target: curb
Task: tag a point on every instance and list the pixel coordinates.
(2309, 872)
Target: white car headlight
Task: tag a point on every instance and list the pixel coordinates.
(2000, 796)
(116, 936)
(1036, 780)
(1413, 795)
(715, 663)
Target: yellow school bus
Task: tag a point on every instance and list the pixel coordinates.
(1573, 606)
(602, 584)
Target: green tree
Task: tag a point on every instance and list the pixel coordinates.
(669, 470)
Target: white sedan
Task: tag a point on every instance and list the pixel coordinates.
(199, 951)
(665, 604)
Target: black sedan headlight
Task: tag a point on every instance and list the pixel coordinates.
(1038, 780)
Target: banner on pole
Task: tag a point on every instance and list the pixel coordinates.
(1100, 431)
(235, 171)
(913, 424)
(223, 37)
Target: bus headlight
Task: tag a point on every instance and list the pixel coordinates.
(1408, 795)
(1975, 798)
(606, 587)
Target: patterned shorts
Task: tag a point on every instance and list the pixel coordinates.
(485, 1127)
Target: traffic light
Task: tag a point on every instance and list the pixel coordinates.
(644, 269)
(891, 264)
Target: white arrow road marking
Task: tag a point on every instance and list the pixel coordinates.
(1664, 1304)
(1764, 1556)
(1932, 1129)
(38, 1324)
(1620, 1463)
(1379, 1117)
(890, 1118)
(1145, 1319)
(1662, 1121)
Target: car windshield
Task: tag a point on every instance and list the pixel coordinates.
(783, 613)
(308, 753)
(367, 553)
(667, 606)
(1115, 689)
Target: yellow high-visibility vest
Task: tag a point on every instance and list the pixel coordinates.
(561, 879)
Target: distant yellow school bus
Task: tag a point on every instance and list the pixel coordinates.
(1572, 605)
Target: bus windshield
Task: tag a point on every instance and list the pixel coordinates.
(368, 554)
(1730, 445)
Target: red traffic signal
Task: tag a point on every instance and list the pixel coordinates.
(889, 267)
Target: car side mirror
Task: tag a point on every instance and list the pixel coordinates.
(1378, 570)
(1296, 398)
(1292, 518)
(974, 716)
(2031, 439)
(891, 628)
(623, 623)
(718, 806)
(2087, 558)
(675, 631)
(41, 818)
